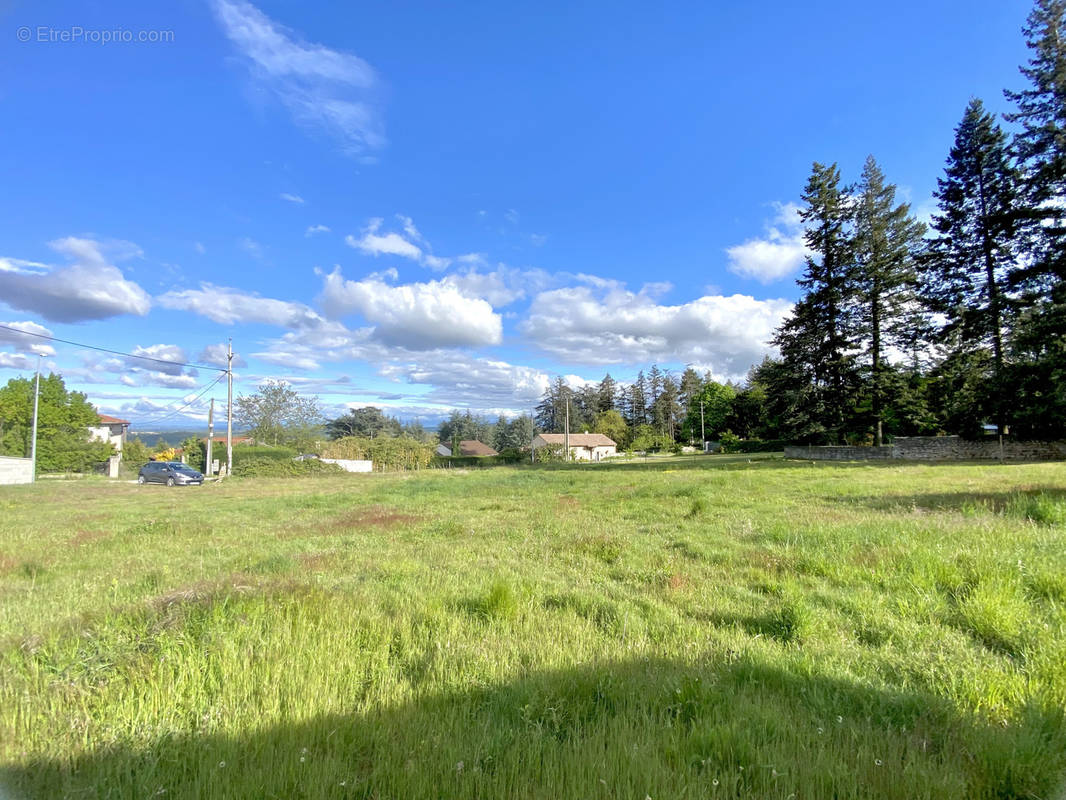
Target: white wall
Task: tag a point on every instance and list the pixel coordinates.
(15, 470)
(350, 465)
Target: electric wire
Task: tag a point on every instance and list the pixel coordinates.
(177, 411)
(115, 352)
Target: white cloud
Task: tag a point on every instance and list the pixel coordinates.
(199, 248)
(292, 198)
(216, 354)
(611, 325)
(375, 244)
(323, 89)
(313, 229)
(417, 316)
(16, 361)
(27, 344)
(22, 266)
(459, 379)
(777, 255)
(158, 352)
(90, 288)
(227, 306)
(502, 286)
(511, 216)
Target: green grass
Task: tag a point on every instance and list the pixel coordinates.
(727, 626)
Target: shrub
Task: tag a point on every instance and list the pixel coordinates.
(260, 467)
(389, 453)
(729, 442)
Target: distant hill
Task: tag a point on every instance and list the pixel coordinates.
(151, 438)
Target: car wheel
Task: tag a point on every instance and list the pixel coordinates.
(140, 479)
(170, 481)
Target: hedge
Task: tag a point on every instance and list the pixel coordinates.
(266, 467)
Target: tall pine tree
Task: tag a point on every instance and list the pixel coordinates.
(886, 240)
(1039, 381)
(816, 342)
(966, 265)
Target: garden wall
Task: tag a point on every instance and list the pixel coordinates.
(350, 465)
(15, 470)
(936, 448)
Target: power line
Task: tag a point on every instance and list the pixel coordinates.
(113, 352)
(174, 413)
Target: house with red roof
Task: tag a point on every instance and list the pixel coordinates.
(112, 430)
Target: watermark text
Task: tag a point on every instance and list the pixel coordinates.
(75, 34)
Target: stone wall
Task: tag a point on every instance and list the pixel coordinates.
(936, 448)
(15, 470)
(842, 453)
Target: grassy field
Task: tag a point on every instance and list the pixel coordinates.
(686, 628)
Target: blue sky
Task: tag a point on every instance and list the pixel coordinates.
(423, 205)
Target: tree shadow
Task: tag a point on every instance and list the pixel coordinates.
(637, 728)
(1045, 504)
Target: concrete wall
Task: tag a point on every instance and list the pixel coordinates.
(15, 470)
(936, 448)
(350, 465)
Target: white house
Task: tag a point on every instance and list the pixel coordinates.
(111, 430)
(583, 446)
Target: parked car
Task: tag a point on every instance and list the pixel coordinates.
(172, 473)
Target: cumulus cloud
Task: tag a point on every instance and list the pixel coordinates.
(292, 198)
(153, 354)
(216, 354)
(313, 229)
(227, 306)
(417, 316)
(778, 254)
(331, 341)
(16, 361)
(27, 344)
(458, 379)
(90, 288)
(609, 324)
(325, 90)
(501, 286)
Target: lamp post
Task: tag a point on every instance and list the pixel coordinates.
(36, 403)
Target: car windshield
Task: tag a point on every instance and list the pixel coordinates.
(183, 468)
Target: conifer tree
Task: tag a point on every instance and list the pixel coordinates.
(607, 391)
(1039, 381)
(886, 240)
(965, 268)
(816, 341)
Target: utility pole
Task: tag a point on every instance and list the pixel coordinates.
(36, 401)
(566, 430)
(229, 410)
(210, 437)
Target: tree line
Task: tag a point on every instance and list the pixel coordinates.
(902, 329)
(957, 328)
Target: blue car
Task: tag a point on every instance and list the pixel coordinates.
(172, 473)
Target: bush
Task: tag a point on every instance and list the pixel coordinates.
(389, 453)
(260, 467)
(729, 442)
(506, 457)
(245, 452)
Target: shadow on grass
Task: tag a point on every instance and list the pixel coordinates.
(1043, 504)
(630, 729)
